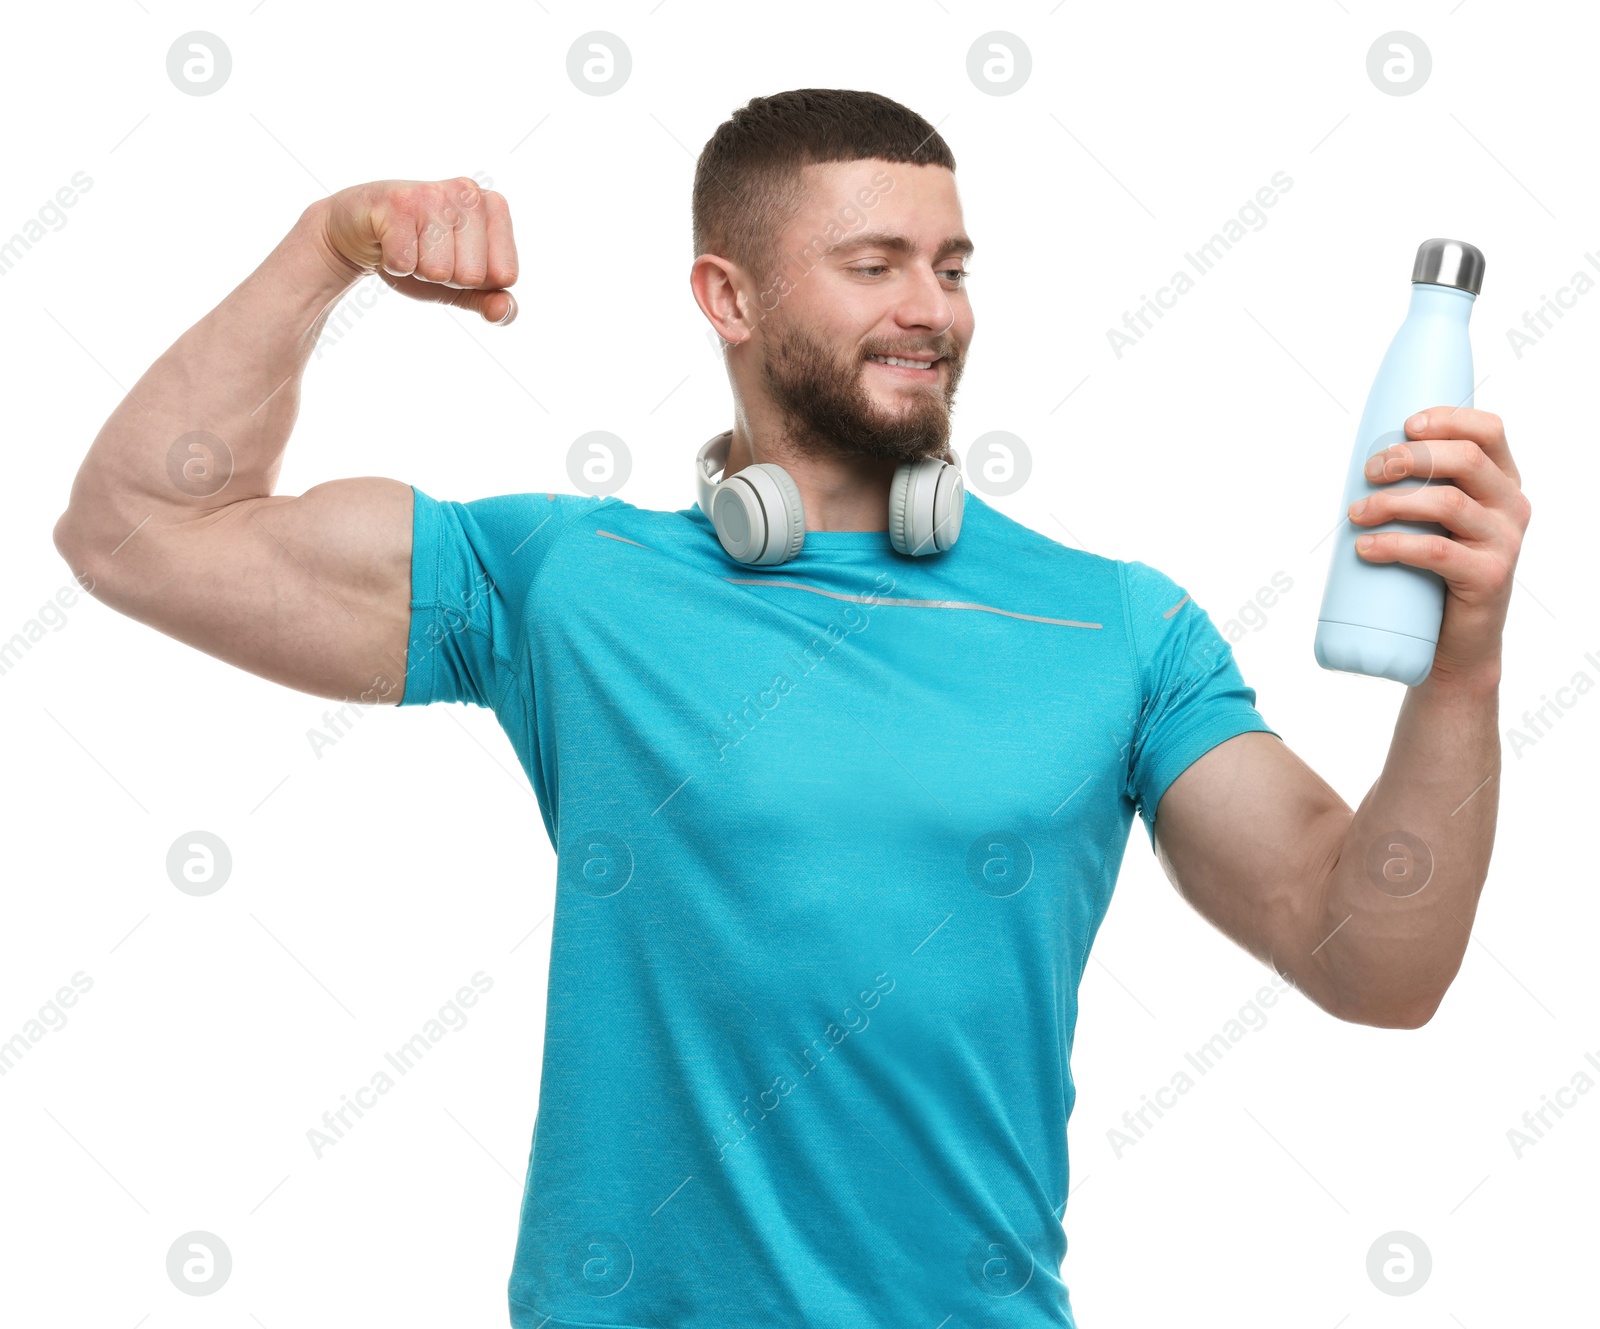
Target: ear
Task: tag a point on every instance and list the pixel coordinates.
(718, 287)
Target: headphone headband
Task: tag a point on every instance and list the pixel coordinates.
(709, 463)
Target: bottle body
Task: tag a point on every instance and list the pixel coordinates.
(1382, 619)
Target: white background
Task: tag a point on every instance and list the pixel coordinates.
(371, 882)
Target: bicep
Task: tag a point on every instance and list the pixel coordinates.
(1248, 834)
(311, 591)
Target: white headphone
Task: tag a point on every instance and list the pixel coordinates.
(758, 516)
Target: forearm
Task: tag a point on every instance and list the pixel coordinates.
(1400, 900)
(235, 377)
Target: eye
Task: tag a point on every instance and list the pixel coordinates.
(956, 275)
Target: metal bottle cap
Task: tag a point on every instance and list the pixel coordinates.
(1449, 263)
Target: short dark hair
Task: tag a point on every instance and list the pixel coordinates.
(747, 180)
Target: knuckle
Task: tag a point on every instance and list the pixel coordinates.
(495, 205)
(404, 200)
(437, 202)
(461, 197)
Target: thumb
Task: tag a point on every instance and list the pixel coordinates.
(497, 306)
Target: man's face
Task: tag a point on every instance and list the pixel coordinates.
(870, 267)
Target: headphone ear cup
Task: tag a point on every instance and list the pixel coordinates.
(790, 535)
(926, 501)
(758, 515)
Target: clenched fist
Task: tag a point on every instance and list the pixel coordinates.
(445, 240)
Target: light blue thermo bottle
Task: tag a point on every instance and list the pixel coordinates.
(1383, 619)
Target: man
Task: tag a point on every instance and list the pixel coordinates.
(834, 832)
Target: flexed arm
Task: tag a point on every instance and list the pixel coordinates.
(172, 515)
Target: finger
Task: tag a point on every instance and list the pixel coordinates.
(1444, 503)
(1476, 577)
(467, 211)
(1460, 460)
(436, 239)
(502, 245)
(472, 237)
(1451, 559)
(1484, 428)
(499, 307)
(397, 235)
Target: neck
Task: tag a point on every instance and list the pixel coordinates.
(838, 493)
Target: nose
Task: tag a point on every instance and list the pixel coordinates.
(927, 305)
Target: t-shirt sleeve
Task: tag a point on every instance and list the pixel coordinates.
(1192, 696)
(473, 566)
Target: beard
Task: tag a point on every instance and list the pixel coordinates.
(830, 413)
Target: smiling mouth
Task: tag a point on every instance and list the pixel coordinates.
(925, 370)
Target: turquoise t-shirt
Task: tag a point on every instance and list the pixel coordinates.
(833, 840)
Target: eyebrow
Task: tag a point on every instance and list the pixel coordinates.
(951, 244)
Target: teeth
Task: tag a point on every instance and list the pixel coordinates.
(905, 364)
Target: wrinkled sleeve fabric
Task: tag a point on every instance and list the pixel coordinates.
(1192, 696)
(473, 567)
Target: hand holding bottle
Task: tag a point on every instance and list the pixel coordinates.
(1485, 512)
